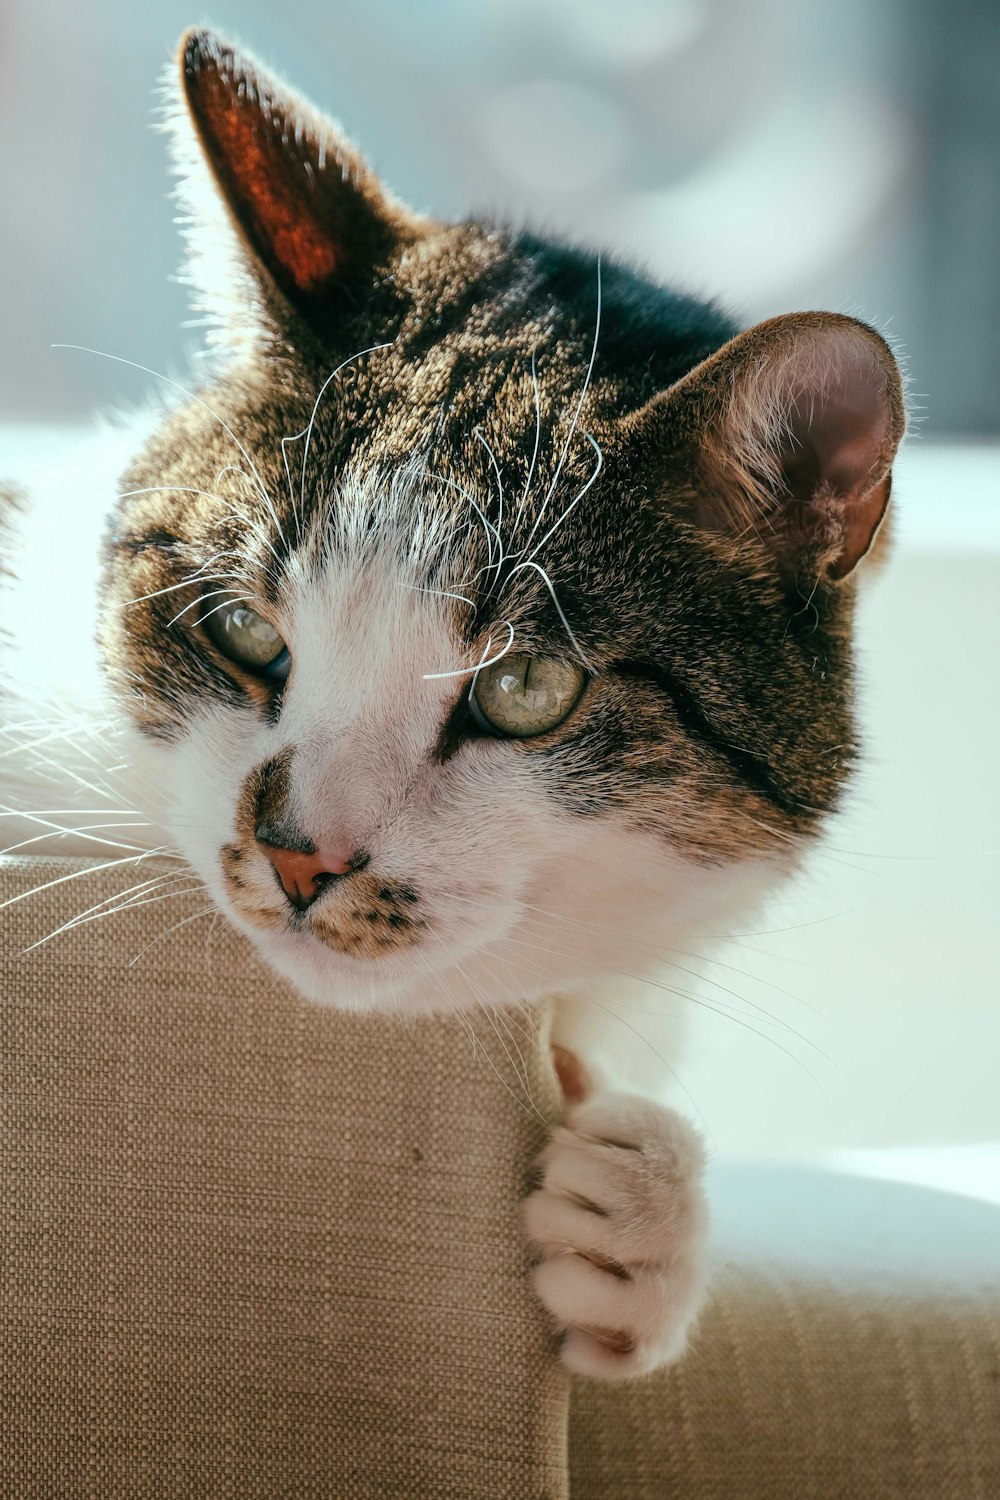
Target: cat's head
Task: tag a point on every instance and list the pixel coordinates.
(489, 610)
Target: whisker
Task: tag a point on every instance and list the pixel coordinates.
(110, 864)
(669, 954)
(41, 813)
(671, 1070)
(312, 415)
(728, 1013)
(728, 937)
(229, 592)
(549, 947)
(720, 1009)
(172, 588)
(538, 435)
(251, 521)
(60, 732)
(529, 563)
(576, 415)
(193, 917)
(500, 1020)
(138, 895)
(118, 359)
(439, 593)
(464, 671)
(477, 433)
(819, 852)
(186, 489)
(86, 832)
(577, 498)
(295, 437)
(532, 1108)
(62, 772)
(488, 526)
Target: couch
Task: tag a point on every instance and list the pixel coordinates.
(253, 1248)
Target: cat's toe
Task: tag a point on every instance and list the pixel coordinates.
(618, 1228)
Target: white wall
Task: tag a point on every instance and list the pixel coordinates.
(893, 956)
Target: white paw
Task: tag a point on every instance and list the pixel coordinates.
(619, 1226)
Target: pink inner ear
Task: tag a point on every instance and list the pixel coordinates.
(266, 153)
(839, 442)
(861, 522)
(295, 239)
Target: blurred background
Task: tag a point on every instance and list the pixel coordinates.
(779, 154)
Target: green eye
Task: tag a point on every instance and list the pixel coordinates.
(524, 695)
(247, 638)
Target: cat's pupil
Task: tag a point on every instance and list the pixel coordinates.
(246, 621)
(245, 636)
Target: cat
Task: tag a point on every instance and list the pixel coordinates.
(479, 629)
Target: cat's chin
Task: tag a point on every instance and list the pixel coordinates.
(366, 986)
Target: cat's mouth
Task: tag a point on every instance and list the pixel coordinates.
(363, 916)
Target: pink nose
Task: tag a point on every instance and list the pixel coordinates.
(303, 876)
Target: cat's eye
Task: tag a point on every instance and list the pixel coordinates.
(524, 695)
(246, 638)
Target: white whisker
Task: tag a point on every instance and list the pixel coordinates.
(110, 864)
(295, 437)
(464, 671)
(137, 895)
(528, 563)
(577, 498)
(488, 526)
(172, 588)
(255, 526)
(530, 1108)
(719, 1007)
(229, 592)
(206, 911)
(118, 359)
(40, 814)
(576, 415)
(417, 588)
(538, 436)
(86, 833)
(477, 433)
(372, 348)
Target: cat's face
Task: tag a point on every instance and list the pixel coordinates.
(473, 639)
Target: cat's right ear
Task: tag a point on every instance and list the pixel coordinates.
(785, 437)
(309, 216)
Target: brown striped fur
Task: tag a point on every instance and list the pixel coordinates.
(707, 572)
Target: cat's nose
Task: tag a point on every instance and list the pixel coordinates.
(303, 876)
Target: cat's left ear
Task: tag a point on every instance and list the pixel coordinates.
(309, 214)
(788, 432)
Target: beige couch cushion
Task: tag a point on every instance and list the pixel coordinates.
(800, 1387)
(252, 1247)
(256, 1249)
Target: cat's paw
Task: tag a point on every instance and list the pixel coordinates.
(618, 1227)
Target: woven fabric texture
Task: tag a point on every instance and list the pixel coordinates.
(803, 1389)
(250, 1248)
